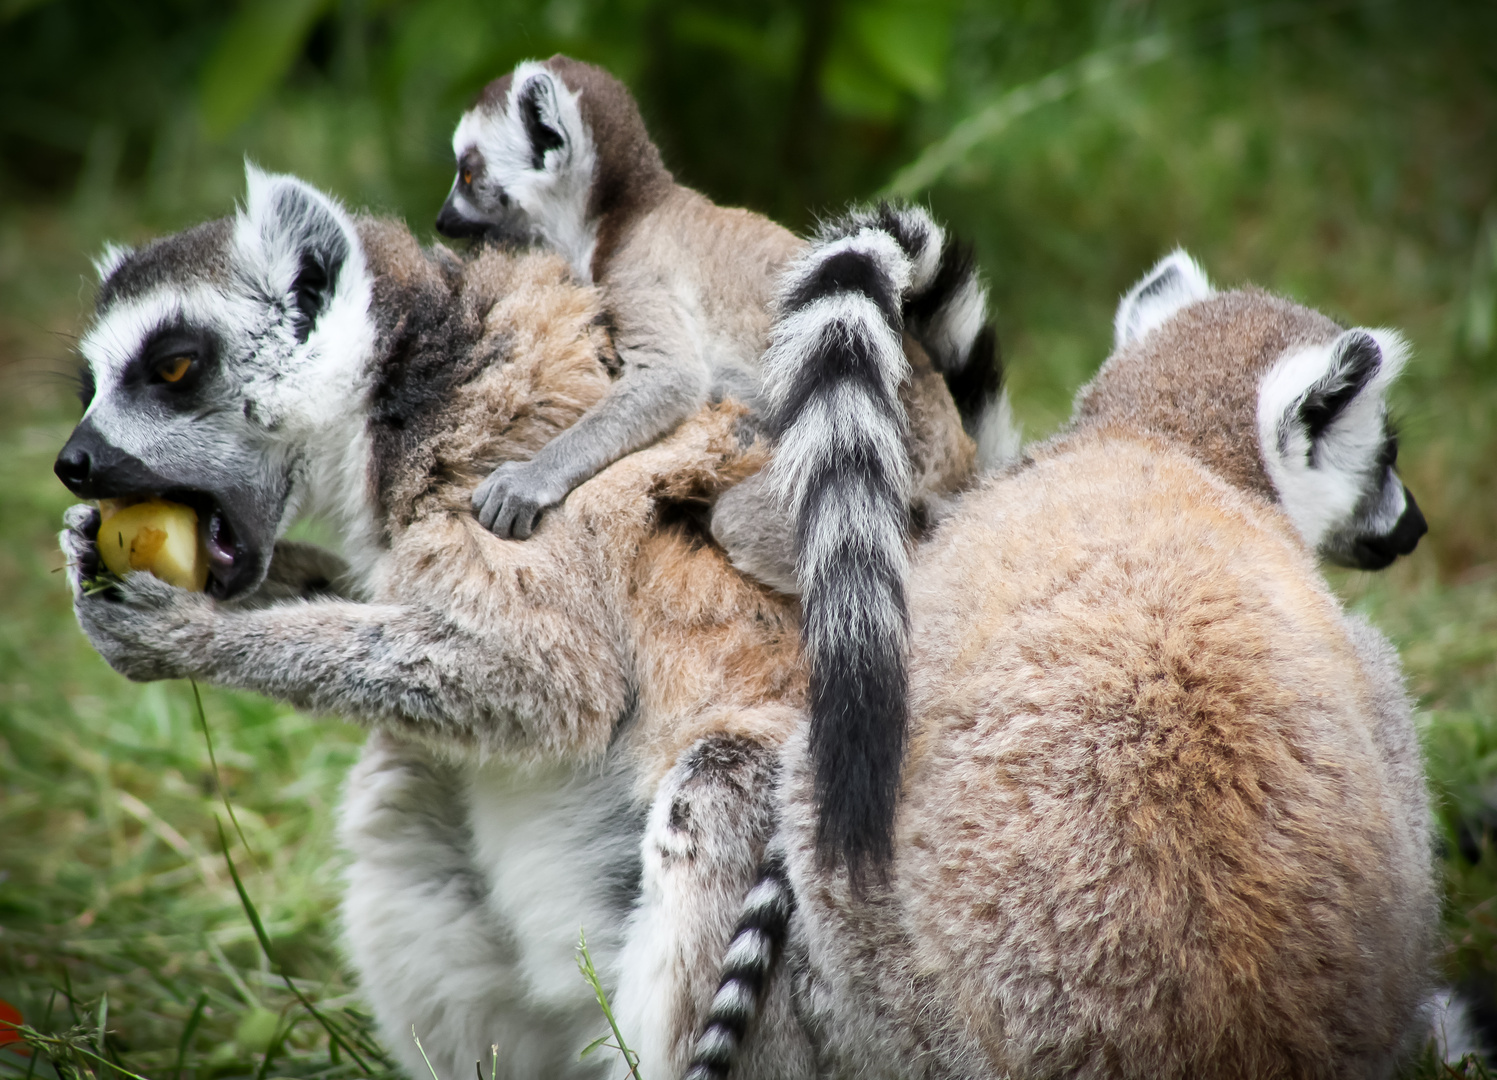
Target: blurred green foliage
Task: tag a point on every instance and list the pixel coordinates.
(1341, 151)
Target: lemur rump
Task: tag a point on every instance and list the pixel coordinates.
(1163, 813)
(557, 151)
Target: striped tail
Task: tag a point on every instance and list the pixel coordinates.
(757, 942)
(949, 318)
(832, 377)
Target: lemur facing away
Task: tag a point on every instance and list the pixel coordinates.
(557, 151)
(1163, 812)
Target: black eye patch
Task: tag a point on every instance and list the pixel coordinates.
(87, 386)
(175, 359)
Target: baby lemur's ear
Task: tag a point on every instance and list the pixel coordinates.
(292, 242)
(1324, 435)
(538, 106)
(1175, 282)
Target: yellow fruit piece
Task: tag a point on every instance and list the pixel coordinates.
(154, 535)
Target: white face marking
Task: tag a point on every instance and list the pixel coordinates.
(1174, 283)
(1323, 497)
(282, 417)
(555, 195)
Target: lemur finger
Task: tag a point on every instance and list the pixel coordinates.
(510, 522)
(525, 520)
(488, 504)
(79, 549)
(83, 518)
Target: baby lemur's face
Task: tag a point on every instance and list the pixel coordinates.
(524, 163)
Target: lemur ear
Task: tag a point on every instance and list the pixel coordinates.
(1323, 430)
(109, 260)
(291, 242)
(1175, 282)
(539, 110)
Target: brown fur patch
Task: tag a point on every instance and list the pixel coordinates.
(1195, 378)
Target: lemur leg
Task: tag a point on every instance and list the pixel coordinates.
(524, 671)
(431, 953)
(708, 825)
(654, 394)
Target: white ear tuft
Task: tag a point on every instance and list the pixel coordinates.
(1322, 428)
(538, 108)
(1175, 282)
(109, 260)
(293, 242)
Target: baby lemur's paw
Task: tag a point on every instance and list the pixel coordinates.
(511, 500)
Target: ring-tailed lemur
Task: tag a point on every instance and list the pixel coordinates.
(576, 731)
(557, 150)
(1163, 812)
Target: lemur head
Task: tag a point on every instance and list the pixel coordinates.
(1275, 397)
(556, 152)
(214, 357)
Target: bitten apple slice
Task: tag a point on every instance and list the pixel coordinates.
(153, 535)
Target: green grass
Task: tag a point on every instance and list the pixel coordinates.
(1346, 165)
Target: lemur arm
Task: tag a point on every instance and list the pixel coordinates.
(665, 378)
(507, 671)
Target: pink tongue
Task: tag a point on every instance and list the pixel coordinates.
(219, 551)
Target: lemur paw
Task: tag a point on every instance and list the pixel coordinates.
(141, 625)
(510, 501)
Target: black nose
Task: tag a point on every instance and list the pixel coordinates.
(1411, 526)
(74, 468)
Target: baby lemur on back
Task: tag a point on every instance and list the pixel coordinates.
(556, 152)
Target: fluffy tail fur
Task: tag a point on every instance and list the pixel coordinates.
(832, 376)
(945, 309)
(757, 942)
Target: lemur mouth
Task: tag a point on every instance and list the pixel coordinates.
(220, 542)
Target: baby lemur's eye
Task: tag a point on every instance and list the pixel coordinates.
(174, 369)
(467, 177)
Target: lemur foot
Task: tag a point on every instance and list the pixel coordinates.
(510, 501)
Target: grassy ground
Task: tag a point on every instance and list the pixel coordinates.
(1348, 183)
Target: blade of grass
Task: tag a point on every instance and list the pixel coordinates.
(334, 1035)
(103, 1021)
(185, 1042)
(424, 1058)
(590, 973)
(282, 1033)
(218, 781)
(46, 1023)
(35, 1039)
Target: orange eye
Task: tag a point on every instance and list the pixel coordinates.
(467, 176)
(175, 369)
